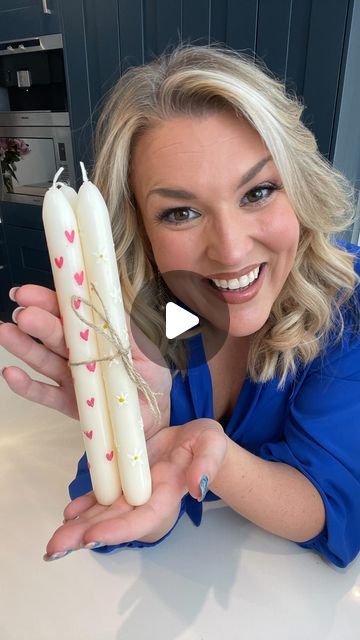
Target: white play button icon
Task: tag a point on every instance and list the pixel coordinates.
(187, 309)
(178, 320)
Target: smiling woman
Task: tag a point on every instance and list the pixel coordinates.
(195, 91)
(212, 173)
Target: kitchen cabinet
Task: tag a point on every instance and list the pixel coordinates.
(304, 42)
(23, 252)
(5, 279)
(29, 256)
(28, 18)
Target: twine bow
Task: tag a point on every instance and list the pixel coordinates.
(123, 352)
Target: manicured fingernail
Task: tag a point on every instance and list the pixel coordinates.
(70, 519)
(56, 556)
(16, 312)
(203, 487)
(12, 293)
(94, 545)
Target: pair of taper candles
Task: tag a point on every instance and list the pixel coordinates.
(83, 261)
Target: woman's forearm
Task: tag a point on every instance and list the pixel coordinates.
(272, 495)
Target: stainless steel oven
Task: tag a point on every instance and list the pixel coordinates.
(35, 135)
(33, 146)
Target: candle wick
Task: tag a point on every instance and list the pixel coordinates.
(83, 171)
(57, 175)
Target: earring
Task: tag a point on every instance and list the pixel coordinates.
(161, 291)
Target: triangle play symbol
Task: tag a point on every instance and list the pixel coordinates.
(178, 320)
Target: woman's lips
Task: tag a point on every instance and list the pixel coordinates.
(240, 295)
(236, 275)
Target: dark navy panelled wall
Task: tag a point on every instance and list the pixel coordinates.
(301, 41)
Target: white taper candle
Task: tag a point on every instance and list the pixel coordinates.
(101, 268)
(70, 279)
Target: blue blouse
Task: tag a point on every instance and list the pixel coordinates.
(312, 424)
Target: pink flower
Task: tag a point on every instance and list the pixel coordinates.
(11, 151)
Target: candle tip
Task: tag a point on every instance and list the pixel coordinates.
(57, 175)
(83, 171)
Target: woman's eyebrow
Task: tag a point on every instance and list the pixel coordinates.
(175, 193)
(182, 194)
(254, 170)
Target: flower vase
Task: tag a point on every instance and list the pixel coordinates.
(8, 182)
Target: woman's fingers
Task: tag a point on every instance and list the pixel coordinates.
(42, 358)
(58, 398)
(87, 508)
(73, 534)
(76, 507)
(138, 522)
(209, 450)
(37, 296)
(39, 357)
(44, 326)
(119, 522)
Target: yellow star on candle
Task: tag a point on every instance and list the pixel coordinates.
(100, 256)
(136, 457)
(122, 399)
(105, 328)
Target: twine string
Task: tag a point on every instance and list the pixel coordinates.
(123, 352)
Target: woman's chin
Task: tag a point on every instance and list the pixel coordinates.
(243, 329)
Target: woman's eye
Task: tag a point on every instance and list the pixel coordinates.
(176, 216)
(259, 193)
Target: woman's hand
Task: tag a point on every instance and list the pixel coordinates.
(179, 458)
(40, 319)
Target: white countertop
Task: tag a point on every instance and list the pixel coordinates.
(225, 579)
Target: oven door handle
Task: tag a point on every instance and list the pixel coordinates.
(45, 7)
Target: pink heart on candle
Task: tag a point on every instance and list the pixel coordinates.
(59, 262)
(79, 277)
(89, 434)
(85, 334)
(91, 366)
(77, 303)
(90, 402)
(70, 235)
(109, 456)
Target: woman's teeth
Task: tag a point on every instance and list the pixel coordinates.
(238, 283)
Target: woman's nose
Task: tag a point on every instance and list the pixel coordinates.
(230, 240)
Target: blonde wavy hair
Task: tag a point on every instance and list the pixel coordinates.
(192, 81)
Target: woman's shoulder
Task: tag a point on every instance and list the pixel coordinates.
(351, 309)
(340, 352)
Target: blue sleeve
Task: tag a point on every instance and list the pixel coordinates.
(322, 440)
